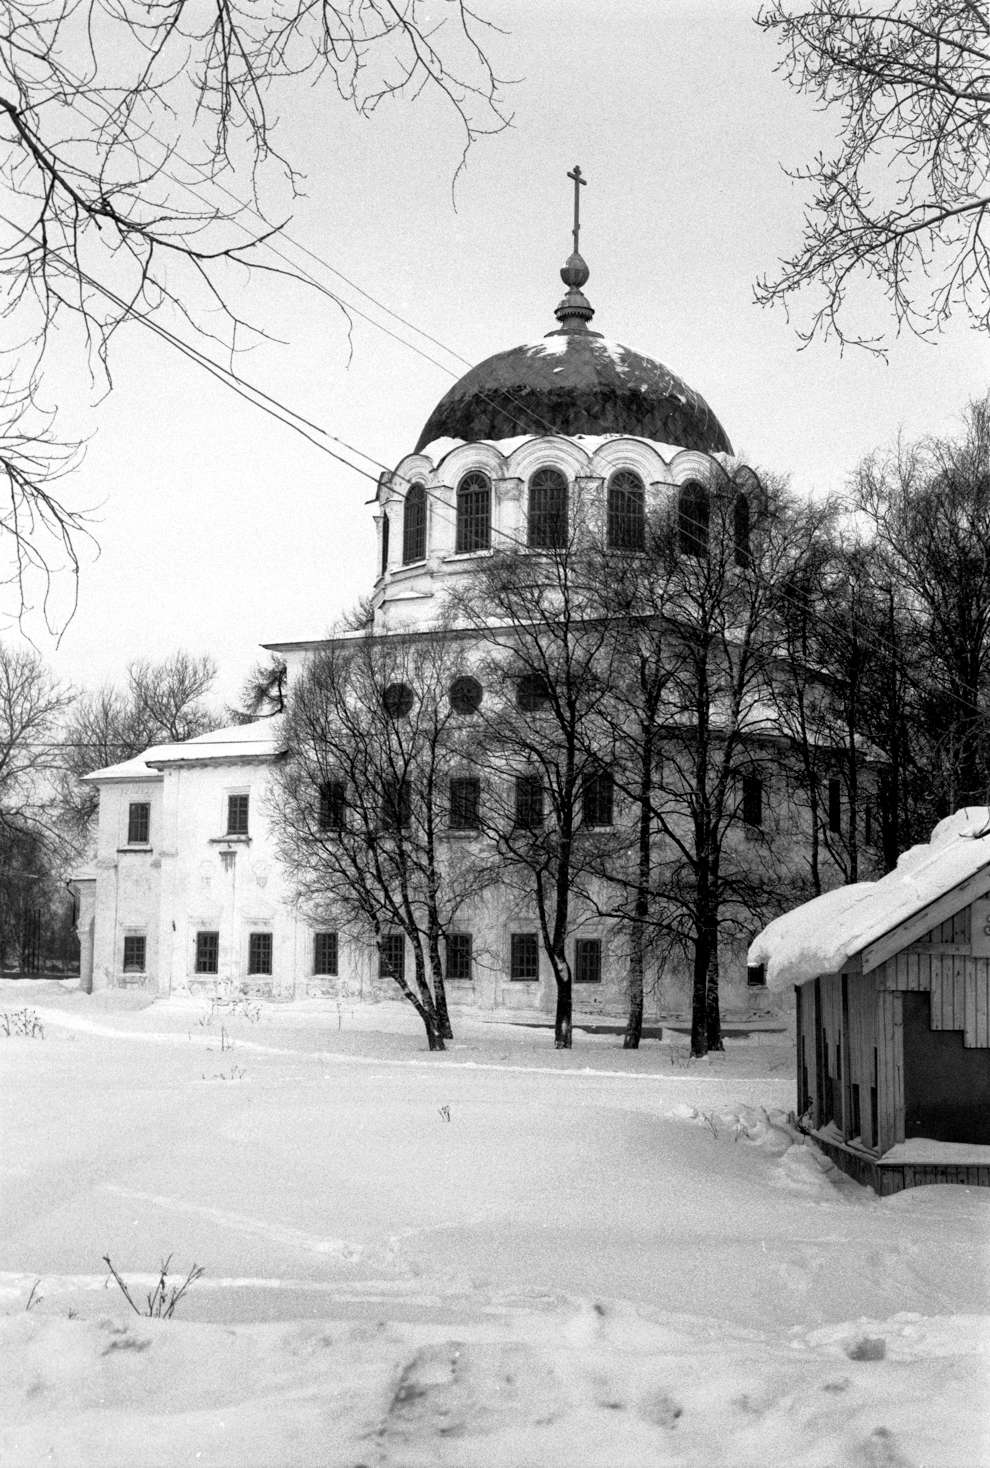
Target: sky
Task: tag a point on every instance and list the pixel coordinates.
(219, 529)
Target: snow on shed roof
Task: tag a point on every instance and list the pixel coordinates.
(259, 740)
(821, 936)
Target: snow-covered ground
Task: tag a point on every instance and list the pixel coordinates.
(500, 1257)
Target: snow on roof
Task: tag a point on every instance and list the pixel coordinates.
(820, 936)
(258, 740)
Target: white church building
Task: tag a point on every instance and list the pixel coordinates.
(184, 889)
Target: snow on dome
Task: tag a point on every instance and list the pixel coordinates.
(572, 383)
(820, 936)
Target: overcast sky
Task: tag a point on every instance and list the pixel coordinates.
(219, 529)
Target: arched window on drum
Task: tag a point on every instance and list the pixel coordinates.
(474, 514)
(740, 531)
(692, 520)
(547, 522)
(626, 511)
(414, 525)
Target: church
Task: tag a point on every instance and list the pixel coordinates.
(185, 890)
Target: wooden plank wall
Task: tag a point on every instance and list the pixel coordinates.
(959, 986)
(860, 1043)
(955, 929)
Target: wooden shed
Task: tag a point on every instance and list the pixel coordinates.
(892, 985)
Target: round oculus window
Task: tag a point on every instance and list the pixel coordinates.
(398, 700)
(465, 695)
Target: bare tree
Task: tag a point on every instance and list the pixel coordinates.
(362, 805)
(31, 705)
(534, 619)
(904, 203)
(39, 531)
(929, 504)
(163, 702)
(140, 170)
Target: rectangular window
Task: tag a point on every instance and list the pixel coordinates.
(835, 806)
(596, 797)
(237, 815)
(138, 823)
(458, 955)
(529, 802)
(396, 805)
(756, 976)
(260, 953)
(392, 956)
(207, 953)
(134, 953)
(524, 957)
(324, 953)
(588, 961)
(333, 805)
(465, 803)
(752, 801)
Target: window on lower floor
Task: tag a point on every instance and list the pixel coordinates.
(524, 957)
(138, 823)
(396, 805)
(237, 815)
(324, 953)
(459, 956)
(260, 953)
(588, 961)
(135, 949)
(756, 976)
(391, 956)
(465, 803)
(207, 953)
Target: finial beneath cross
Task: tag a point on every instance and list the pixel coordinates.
(578, 178)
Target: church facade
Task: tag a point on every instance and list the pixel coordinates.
(185, 889)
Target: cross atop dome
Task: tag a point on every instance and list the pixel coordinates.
(575, 310)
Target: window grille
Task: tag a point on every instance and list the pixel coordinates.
(588, 961)
(626, 518)
(237, 815)
(398, 700)
(835, 807)
(138, 823)
(333, 805)
(207, 953)
(524, 957)
(528, 802)
(692, 520)
(752, 800)
(414, 525)
(465, 695)
(259, 953)
(474, 514)
(547, 528)
(533, 692)
(391, 956)
(740, 530)
(459, 956)
(396, 805)
(135, 948)
(324, 953)
(597, 790)
(465, 803)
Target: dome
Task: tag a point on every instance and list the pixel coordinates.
(574, 382)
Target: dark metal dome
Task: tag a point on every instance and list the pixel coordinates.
(575, 382)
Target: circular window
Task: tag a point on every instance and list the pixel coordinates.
(465, 695)
(398, 700)
(532, 692)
